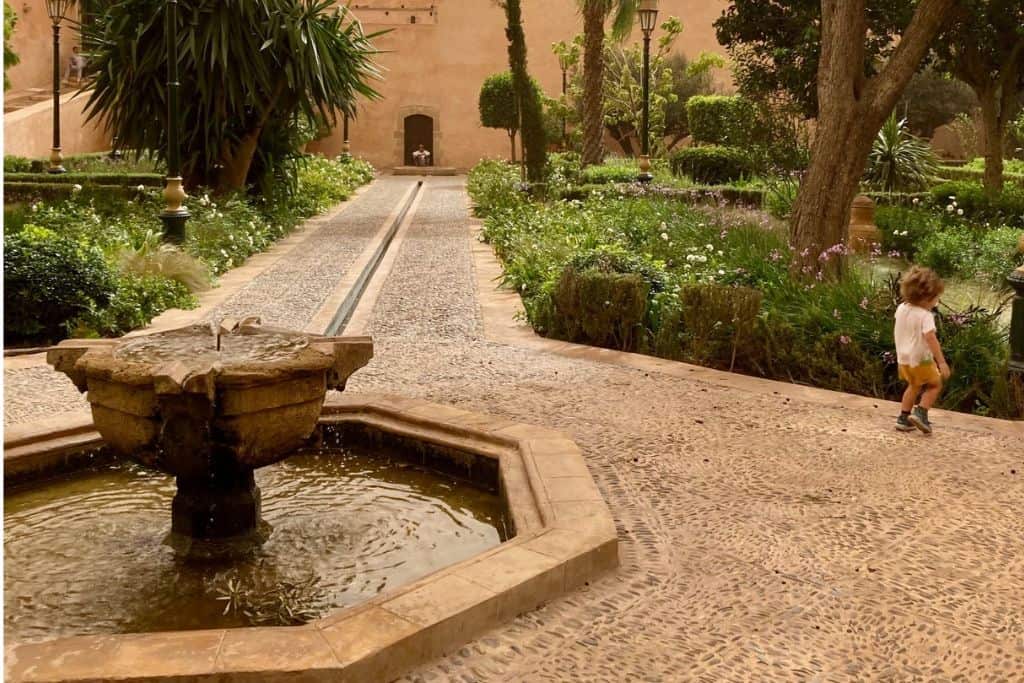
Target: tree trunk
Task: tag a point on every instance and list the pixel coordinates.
(852, 108)
(624, 136)
(237, 162)
(512, 139)
(593, 81)
(993, 131)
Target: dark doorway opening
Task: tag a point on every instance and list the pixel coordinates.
(419, 130)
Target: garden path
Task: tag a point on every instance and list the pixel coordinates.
(763, 535)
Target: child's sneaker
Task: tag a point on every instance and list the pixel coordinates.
(903, 424)
(919, 418)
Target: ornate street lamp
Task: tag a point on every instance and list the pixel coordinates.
(648, 14)
(58, 11)
(563, 62)
(174, 215)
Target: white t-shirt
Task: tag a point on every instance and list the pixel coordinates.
(912, 323)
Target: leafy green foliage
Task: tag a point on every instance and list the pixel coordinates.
(494, 185)
(1006, 207)
(933, 99)
(898, 160)
(10, 56)
(247, 70)
(986, 255)
(719, 291)
(532, 114)
(775, 46)
(136, 300)
(721, 120)
(498, 103)
(688, 79)
(50, 279)
(712, 164)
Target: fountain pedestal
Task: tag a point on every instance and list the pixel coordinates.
(209, 406)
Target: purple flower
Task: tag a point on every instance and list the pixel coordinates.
(775, 256)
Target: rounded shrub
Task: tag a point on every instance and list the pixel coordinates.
(712, 164)
(49, 280)
(720, 119)
(1007, 207)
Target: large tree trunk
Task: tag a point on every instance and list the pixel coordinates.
(593, 81)
(993, 127)
(236, 163)
(851, 111)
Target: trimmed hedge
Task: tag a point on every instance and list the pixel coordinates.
(712, 164)
(1006, 208)
(720, 119)
(148, 179)
(970, 174)
(25, 192)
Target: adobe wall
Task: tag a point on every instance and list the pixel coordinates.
(437, 65)
(32, 41)
(28, 132)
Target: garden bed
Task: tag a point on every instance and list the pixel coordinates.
(712, 285)
(92, 263)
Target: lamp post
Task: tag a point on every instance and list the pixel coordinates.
(563, 61)
(345, 148)
(174, 215)
(58, 11)
(648, 14)
(1016, 280)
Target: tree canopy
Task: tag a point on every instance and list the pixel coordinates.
(250, 72)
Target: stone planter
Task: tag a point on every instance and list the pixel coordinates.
(864, 234)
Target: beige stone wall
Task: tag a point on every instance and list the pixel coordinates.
(33, 43)
(28, 132)
(436, 66)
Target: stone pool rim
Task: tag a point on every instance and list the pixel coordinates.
(565, 536)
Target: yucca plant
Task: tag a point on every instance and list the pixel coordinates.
(898, 160)
(155, 257)
(248, 70)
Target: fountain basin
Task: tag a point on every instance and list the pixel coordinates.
(564, 536)
(209, 405)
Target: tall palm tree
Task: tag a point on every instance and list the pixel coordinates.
(595, 14)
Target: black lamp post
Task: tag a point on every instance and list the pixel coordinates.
(648, 13)
(1016, 280)
(346, 149)
(174, 214)
(563, 61)
(58, 11)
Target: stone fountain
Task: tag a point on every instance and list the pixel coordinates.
(209, 404)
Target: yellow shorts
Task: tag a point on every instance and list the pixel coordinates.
(920, 375)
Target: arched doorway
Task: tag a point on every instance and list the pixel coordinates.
(419, 130)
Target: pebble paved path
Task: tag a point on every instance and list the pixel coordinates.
(761, 538)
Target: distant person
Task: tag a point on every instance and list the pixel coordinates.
(76, 66)
(922, 365)
(421, 157)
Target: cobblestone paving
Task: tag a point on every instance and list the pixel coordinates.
(761, 538)
(290, 292)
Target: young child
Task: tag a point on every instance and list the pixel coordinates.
(922, 365)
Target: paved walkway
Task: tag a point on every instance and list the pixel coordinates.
(764, 535)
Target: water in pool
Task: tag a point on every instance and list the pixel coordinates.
(85, 554)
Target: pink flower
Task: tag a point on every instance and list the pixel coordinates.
(844, 340)
(864, 303)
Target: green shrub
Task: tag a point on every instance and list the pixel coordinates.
(145, 179)
(983, 254)
(780, 196)
(16, 164)
(898, 160)
(494, 185)
(712, 165)
(709, 324)
(49, 280)
(136, 300)
(904, 228)
(618, 173)
(599, 307)
(970, 198)
(720, 119)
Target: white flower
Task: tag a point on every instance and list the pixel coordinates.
(721, 253)
(949, 208)
(721, 272)
(710, 247)
(664, 236)
(35, 207)
(141, 188)
(664, 225)
(959, 212)
(702, 259)
(76, 188)
(917, 200)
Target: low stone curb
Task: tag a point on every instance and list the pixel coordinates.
(565, 536)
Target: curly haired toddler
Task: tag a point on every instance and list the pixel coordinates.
(922, 365)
